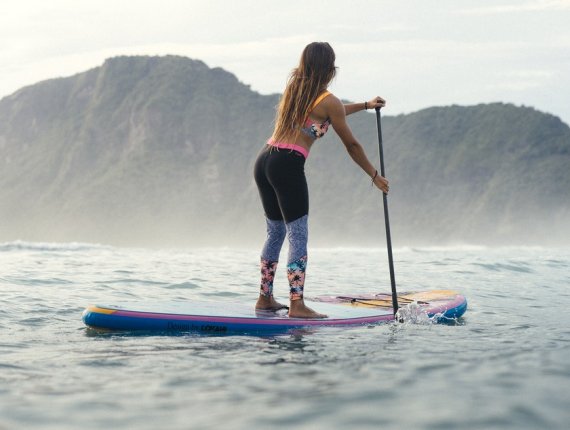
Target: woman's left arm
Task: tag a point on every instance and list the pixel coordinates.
(351, 108)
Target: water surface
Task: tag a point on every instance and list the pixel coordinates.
(505, 365)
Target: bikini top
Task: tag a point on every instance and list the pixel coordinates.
(313, 129)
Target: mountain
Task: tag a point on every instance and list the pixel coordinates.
(160, 151)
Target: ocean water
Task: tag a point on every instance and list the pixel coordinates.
(504, 365)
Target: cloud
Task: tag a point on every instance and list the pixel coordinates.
(531, 6)
(521, 80)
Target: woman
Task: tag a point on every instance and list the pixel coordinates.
(304, 114)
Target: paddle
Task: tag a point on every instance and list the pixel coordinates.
(386, 217)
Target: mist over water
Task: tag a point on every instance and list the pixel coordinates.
(503, 365)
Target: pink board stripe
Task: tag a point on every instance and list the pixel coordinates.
(257, 321)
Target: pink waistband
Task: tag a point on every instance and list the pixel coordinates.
(283, 145)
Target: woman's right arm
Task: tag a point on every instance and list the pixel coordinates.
(336, 112)
(351, 108)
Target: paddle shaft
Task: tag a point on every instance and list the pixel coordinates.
(386, 217)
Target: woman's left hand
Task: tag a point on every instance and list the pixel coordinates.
(376, 102)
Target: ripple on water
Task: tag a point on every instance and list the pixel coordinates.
(132, 281)
(505, 366)
(222, 294)
(183, 285)
(501, 267)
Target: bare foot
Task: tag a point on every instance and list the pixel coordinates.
(268, 304)
(298, 309)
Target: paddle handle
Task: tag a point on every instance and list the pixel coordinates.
(386, 216)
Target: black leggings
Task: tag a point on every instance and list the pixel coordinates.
(280, 178)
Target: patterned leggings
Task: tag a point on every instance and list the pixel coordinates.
(280, 178)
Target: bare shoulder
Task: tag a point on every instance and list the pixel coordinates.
(333, 104)
(334, 107)
(331, 99)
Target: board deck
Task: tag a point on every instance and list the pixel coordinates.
(230, 317)
(444, 304)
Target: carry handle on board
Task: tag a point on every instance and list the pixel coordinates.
(386, 217)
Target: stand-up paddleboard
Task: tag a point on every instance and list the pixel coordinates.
(229, 317)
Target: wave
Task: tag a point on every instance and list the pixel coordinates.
(404, 248)
(19, 245)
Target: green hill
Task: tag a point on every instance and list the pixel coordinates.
(160, 151)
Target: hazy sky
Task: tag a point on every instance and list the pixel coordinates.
(415, 53)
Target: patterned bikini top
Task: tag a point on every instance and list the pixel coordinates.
(313, 129)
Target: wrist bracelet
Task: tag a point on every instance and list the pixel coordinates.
(374, 177)
(365, 105)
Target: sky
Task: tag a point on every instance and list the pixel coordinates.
(414, 53)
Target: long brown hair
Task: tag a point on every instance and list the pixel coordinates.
(307, 81)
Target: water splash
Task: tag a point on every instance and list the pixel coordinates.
(413, 313)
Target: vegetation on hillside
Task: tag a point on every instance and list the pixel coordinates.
(160, 150)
